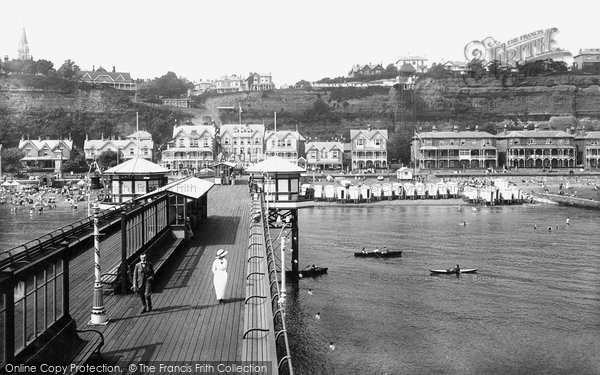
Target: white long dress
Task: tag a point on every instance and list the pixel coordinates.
(219, 269)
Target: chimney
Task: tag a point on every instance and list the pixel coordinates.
(113, 68)
(39, 138)
(369, 127)
(456, 128)
(5, 58)
(93, 68)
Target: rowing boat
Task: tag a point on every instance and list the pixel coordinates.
(467, 270)
(379, 254)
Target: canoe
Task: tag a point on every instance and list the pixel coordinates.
(466, 270)
(371, 254)
(309, 272)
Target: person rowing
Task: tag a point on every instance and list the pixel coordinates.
(456, 269)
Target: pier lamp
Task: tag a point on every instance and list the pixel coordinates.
(99, 316)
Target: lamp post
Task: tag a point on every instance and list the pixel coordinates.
(99, 316)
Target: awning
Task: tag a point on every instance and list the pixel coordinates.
(192, 187)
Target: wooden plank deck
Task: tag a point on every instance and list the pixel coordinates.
(187, 323)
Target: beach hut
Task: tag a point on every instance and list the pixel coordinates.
(354, 194)
(365, 193)
(376, 191)
(318, 192)
(409, 190)
(398, 190)
(404, 174)
(452, 188)
(420, 190)
(431, 190)
(387, 191)
(223, 172)
(341, 194)
(329, 193)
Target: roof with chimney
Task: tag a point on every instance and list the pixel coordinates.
(535, 134)
(463, 134)
(100, 75)
(368, 133)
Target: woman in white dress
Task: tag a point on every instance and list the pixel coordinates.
(219, 269)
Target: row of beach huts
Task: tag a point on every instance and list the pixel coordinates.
(499, 193)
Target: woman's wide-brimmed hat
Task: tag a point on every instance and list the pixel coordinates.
(221, 253)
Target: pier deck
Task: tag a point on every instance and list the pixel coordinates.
(186, 323)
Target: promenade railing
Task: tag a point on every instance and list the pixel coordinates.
(277, 303)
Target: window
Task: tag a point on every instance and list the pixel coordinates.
(256, 141)
(377, 142)
(205, 143)
(28, 153)
(441, 143)
(194, 142)
(531, 141)
(288, 142)
(462, 141)
(145, 151)
(313, 154)
(181, 142)
(548, 141)
(131, 151)
(334, 154)
(464, 152)
(226, 141)
(360, 142)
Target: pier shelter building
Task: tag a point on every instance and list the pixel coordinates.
(192, 147)
(135, 178)
(324, 155)
(537, 148)
(369, 148)
(454, 150)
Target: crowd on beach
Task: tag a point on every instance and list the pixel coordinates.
(42, 198)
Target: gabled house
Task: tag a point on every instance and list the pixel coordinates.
(192, 147)
(366, 70)
(260, 82)
(369, 148)
(242, 143)
(45, 154)
(324, 155)
(117, 80)
(286, 144)
(138, 144)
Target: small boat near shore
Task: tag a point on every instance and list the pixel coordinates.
(453, 272)
(309, 272)
(378, 254)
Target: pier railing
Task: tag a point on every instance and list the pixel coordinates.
(277, 305)
(67, 235)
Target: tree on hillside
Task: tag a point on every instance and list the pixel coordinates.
(475, 68)
(11, 159)
(167, 86)
(494, 68)
(68, 69)
(391, 70)
(76, 163)
(438, 71)
(107, 159)
(44, 67)
(302, 84)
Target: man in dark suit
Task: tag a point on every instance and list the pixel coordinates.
(143, 275)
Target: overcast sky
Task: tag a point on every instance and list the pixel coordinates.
(308, 39)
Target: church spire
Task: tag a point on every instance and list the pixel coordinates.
(24, 48)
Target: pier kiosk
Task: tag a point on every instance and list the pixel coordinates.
(223, 172)
(281, 189)
(134, 178)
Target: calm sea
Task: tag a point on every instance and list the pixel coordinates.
(532, 308)
(19, 227)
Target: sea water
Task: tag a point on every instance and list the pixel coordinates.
(532, 307)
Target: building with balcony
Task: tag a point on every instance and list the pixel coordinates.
(114, 79)
(454, 150)
(587, 60)
(591, 150)
(369, 148)
(138, 144)
(286, 144)
(242, 144)
(537, 148)
(260, 82)
(45, 154)
(192, 147)
(324, 156)
(232, 83)
(418, 63)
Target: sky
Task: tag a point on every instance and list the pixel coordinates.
(292, 40)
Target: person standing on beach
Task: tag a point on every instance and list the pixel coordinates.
(219, 269)
(143, 275)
